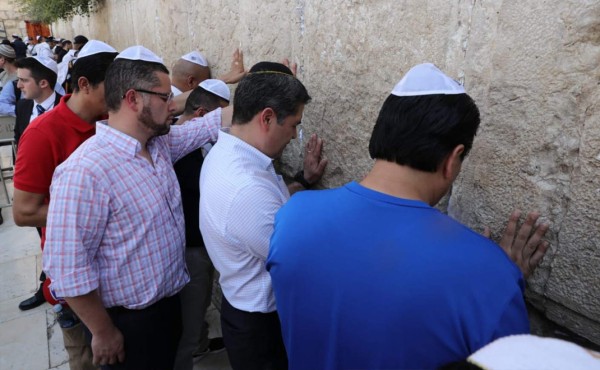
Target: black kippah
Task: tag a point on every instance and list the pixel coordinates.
(270, 67)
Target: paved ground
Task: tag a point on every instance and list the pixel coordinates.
(32, 339)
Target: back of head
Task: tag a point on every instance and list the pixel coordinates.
(268, 85)
(8, 53)
(125, 74)
(200, 97)
(79, 41)
(419, 129)
(92, 67)
(92, 63)
(38, 70)
(190, 70)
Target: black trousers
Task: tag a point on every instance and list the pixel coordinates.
(253, 339)
(151, 335)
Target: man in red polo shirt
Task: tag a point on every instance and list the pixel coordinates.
(47, 142)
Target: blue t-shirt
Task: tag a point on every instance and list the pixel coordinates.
(364, 280)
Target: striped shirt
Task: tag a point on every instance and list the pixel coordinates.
(115, 221)
(240, 195)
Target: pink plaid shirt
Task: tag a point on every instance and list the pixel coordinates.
(115, 221)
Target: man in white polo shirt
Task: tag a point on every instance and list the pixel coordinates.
(241, 192)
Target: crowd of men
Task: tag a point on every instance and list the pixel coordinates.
(142, 179)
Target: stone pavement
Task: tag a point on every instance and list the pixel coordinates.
(32, 339)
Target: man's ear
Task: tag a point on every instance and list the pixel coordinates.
(267, 117)
(43, 84)
(131, 99)
(84, 84)
(453, 163)
(200, 112)
(191, 82)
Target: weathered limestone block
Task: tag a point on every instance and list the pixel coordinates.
(537, 149)
(532, 68)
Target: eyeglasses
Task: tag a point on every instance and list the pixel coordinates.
(166, 97)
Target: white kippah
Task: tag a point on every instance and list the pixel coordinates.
(139, 52)
(47, 62)
(216, 87)
(196, 58)
(95, 47)
(521, 352)
(426, 79)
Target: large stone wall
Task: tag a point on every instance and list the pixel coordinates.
(533, 68)
(14, 21)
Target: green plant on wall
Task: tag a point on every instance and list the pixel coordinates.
(48, 11)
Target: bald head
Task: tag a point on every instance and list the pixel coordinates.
(187, 75)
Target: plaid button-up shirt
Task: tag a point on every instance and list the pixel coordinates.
(115, 221)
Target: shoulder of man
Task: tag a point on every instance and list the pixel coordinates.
(24, 104)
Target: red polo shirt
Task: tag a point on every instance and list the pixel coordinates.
(47, 142)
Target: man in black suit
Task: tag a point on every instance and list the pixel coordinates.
(36, 79)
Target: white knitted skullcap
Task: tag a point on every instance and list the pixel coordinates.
(426, 79)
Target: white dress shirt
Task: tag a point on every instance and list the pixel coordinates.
(240, 195)
(47, 104)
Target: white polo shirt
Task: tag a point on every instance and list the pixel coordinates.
(240, 195)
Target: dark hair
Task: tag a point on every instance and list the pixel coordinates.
(92, 67)
(420, 131)
(5, 42)
(38, 71)
(268, 88)
(199, 97)
(125, 74)
(80, 39)
(66, 42)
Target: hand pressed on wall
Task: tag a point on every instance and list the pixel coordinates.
(237, 70)
(314, 163)
(525, 247)
(292, 66)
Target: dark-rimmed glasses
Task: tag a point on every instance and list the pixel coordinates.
(166, 97)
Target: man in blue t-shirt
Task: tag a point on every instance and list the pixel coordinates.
(371, 276)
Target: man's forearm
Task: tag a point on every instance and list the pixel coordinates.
(295, 187)
(91, 311)
(36, 218)
(179, 102)
(107, 340)
(29, 209)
